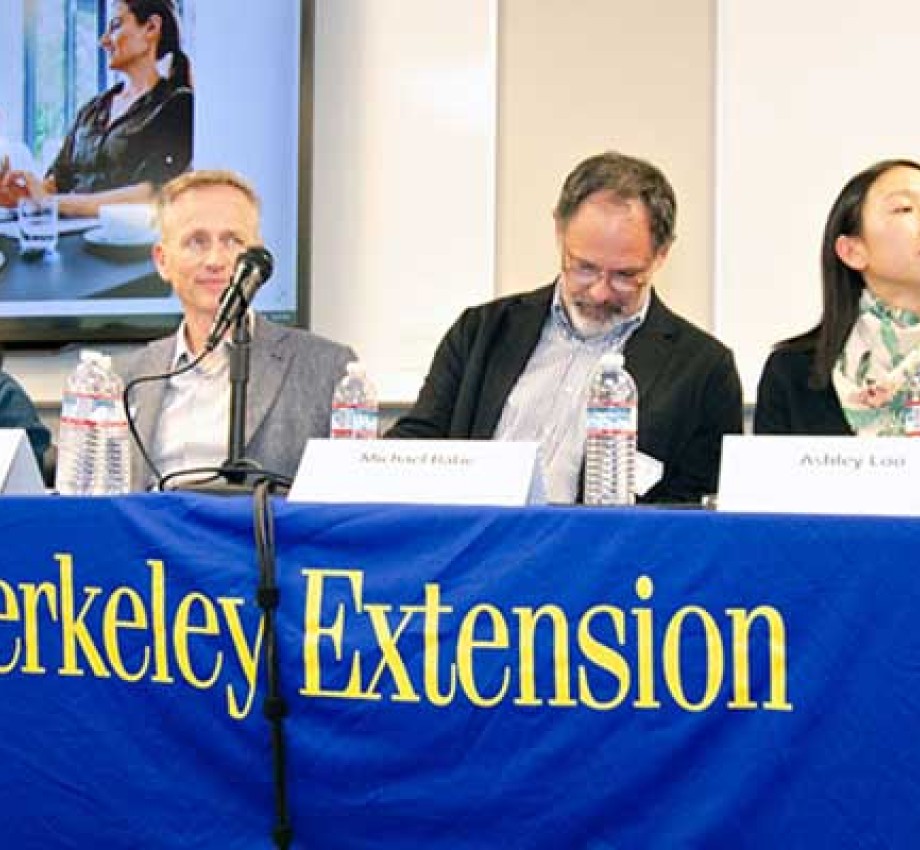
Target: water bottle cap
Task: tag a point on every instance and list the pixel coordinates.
(356, 369)
(612, 359)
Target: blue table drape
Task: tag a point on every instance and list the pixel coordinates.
(458, 677)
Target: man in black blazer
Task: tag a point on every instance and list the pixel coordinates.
(518, 367)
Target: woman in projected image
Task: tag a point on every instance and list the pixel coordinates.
(132, 138)
(851, 373)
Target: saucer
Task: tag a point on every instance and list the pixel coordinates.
(126, 239)
(133, 245)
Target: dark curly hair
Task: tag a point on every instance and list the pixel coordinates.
(626, 178)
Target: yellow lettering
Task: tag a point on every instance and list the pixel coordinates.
(73, 629)
(646, 642)
(10, 614)
(602, 656)
(742, 621)
(248, 658)
(183, 628)
(161, 672)
(433, 610)
(31, 595)
(313, 631)
(467, 643)
(528, 618)
(112, 623)
(390, 657)
(715, 660)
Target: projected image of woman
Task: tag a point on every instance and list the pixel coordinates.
(132, 138)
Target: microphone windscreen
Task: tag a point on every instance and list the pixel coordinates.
(260, 257)
(253, 268)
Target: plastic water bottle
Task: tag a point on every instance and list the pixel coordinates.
(912, 407)
(94, 448)
(610, 451)
(355, 413)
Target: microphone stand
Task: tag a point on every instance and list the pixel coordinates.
(239, 363)
(235, 473)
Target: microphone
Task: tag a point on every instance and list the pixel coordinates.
(253, 268)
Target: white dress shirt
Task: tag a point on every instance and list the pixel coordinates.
(548, 402)
(193, 427)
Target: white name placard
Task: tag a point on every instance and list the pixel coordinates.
(446, 472)
(19, 474)
(820, 475)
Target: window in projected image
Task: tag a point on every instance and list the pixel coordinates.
(62, 68)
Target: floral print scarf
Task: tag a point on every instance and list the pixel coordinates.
(880, 356)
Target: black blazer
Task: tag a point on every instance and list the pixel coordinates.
(787, 405)
(689, 390)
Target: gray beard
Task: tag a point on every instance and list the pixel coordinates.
(594, 323)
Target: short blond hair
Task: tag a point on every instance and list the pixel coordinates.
(202, 179)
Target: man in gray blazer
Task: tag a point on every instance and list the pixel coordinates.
(207, 219)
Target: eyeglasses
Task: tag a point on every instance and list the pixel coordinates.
(197, 245)
(584, 274)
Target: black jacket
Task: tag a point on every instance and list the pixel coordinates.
(787, 405)
(151, 142)
(689, 390)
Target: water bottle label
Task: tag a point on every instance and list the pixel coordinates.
(340, 424)
(92, 409)
(612, 420)
(912, 419)
(353, 423)
(365, 423)
(94, 448)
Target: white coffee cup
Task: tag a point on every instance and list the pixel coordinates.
(125, 222)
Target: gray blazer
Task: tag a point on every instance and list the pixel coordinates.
(293, 374)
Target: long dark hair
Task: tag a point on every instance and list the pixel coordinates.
(170, 38)
(841, 286)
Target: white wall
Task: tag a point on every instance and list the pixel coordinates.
(809, 94)
(581, 76)
(403, 176)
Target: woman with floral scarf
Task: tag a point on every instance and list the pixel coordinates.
(851, 373)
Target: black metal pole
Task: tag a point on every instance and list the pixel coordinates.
(239, 362)
(275, 706)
